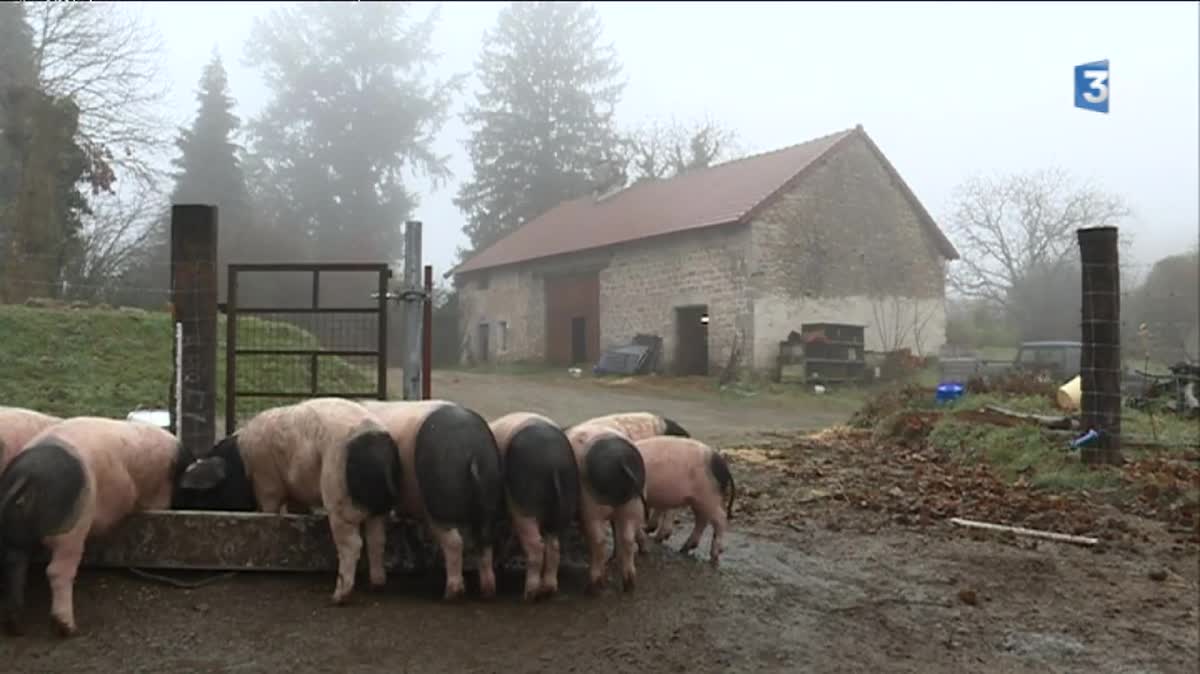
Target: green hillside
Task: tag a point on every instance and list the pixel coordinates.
(74, 362)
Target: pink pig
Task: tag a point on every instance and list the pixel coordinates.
(612, 479)
(685, 472)
(77, 479)
(17, 427)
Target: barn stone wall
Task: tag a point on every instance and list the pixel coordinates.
(846, 246)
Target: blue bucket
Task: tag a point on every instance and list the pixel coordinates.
(948, 392)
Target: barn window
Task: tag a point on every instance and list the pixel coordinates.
(503, 335)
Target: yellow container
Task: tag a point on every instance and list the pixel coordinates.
(1069, 394)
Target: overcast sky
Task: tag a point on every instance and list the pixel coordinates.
(945, 89)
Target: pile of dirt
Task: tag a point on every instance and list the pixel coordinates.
(1167, 490)
(847, 480)
(888, 403)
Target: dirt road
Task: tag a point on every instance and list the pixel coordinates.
(568, 401)
(812, 580)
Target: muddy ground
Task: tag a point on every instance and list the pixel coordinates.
(831, 567)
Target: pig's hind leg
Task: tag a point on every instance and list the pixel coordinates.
(376, 535)
(693, 540)
(451, 544)
(535, 550)
(349, 547)
(550, 566)
(65, 554)
(16, 575)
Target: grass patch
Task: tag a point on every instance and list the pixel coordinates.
(106, 363)
(1021, 452)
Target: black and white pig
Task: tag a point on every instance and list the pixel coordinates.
(639, 426)
(612, 478)
(323, 452)
(77, 479)
(541, 485)
(453, 480)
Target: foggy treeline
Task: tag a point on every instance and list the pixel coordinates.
(354, 105)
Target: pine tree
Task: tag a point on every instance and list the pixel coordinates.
(352, 110)
(208, 171)
(543, 128)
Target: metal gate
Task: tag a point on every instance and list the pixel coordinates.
(280, 347)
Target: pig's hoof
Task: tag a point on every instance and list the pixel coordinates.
(13, 627)
(594, 588)
(686, 548)
(628, 584)
(454, 593)
(62, 628)
(547, 591)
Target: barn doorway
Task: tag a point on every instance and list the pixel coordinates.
(572, 319)
(579, 340)
(691, 340)
(483, 342)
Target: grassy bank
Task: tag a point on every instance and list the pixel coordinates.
(107, 362)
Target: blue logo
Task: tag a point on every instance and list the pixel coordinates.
(1091, 86)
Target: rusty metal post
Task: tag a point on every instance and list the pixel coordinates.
(411, 296)
(427, 337)
(1100, 360)
(194, 303)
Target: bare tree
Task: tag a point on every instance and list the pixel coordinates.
(662, 149)
(1007, 227)
(106, 59)
(113, 237)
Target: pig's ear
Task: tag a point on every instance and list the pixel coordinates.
(203, 474)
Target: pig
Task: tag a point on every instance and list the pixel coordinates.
(636, 426)
(612, 478)
(453, 480)
(17, 427)
(323, 452)
(541, 483)
(74, 480)
(685, 472)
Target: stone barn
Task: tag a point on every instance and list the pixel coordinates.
(739, 253)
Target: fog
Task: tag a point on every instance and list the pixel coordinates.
(947, 90)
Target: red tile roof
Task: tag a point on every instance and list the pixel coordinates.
(722, 194)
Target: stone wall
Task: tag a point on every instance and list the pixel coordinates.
(645, 281)
(845, 246)
(514, 296)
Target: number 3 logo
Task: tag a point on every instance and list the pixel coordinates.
(1097, 80)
